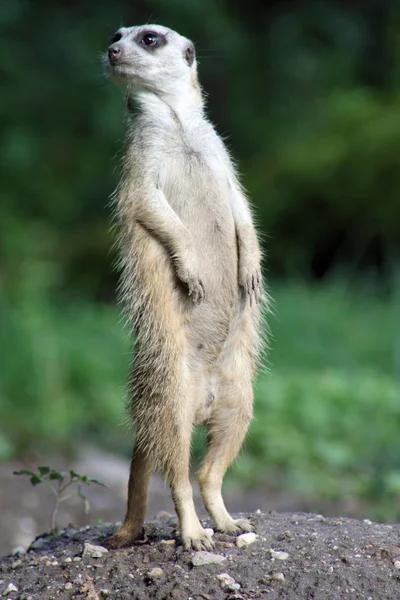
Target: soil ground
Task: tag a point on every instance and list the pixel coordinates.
(25, 510)
(326, 559)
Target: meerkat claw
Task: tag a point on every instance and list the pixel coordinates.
(196, 291)
(203, 543)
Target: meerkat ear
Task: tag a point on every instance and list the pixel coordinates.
(190, 55)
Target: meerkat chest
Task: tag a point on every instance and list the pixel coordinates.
(194, 170)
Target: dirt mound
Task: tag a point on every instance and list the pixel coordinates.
(293, 557)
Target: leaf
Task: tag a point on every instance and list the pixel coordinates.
(24, 472)
(86, 479)
(96, 481)
(36, 479)
(57, 475)
(44, 470)
(82, 495)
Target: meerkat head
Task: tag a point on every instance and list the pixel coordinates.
(154, 59)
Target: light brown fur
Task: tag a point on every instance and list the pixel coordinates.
(191, 284)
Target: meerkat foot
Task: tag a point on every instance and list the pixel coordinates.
(124, 538)
(199, 540)
(234, 526)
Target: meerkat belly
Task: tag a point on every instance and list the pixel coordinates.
(201, 200)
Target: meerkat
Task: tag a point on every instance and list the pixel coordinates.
(191, 283)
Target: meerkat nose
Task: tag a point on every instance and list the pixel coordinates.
(114, 52)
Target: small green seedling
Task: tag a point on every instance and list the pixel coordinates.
(58, 482)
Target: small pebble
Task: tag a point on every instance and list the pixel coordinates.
(279, 555)
(68, 559)
(16, 564)
(93, 551)
(246, 539)
(209, 531)
(225, 580)
(18, 550)
(206, 558)
(234, 587)
(10, 588)
(155, 574)
(168, 542)
(51, 563)
(367, 521)
(39, 543)
(76, 559)
(104, 592)
(277, 577)
(396, 564)
(68, 586)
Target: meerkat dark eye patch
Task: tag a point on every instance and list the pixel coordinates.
(190, 55)
(151, 40)
(116, 37)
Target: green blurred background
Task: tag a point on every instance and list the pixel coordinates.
(306, 94)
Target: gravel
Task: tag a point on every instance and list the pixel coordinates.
(296, 556)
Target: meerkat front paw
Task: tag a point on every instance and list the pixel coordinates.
(251, 280)
(188, 275)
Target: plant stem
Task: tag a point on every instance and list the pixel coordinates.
(54, 514)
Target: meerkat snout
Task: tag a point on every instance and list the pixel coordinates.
(114, 52)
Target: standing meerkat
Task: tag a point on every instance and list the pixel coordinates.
(191, 282)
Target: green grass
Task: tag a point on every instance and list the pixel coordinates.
(327, 416)
(63, 374)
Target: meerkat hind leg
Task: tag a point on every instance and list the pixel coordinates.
(226, 432)
(139, 480)
(193, 534)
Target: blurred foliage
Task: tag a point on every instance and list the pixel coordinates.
(327, 417)
(306, 92)
(307, 95)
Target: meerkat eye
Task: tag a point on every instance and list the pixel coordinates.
(116, 37)
(150, 39)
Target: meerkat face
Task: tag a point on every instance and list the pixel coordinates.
(151, 58)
